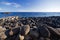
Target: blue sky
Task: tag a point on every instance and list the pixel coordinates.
(29, 5)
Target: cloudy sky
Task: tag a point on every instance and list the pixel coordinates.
(29, 5)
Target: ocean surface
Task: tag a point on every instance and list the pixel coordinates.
(30, 14)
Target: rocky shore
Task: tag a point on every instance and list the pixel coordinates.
(30, 28)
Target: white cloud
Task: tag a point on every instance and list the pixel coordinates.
(25, 10)
(41, 10)
(0, 8)
(11, 4)
(16, 5)
(6, 3)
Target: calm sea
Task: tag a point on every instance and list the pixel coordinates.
(30, 14)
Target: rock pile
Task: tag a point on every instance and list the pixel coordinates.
(30, 28)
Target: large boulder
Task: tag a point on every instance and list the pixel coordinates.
(2, 33)
(12, 34)
(21, 37)
(34, 34)
(2, 29)
(25, 29)
(44, 32)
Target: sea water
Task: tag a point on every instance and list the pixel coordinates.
(30, 14)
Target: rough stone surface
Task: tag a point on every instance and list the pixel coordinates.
(30, 28)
